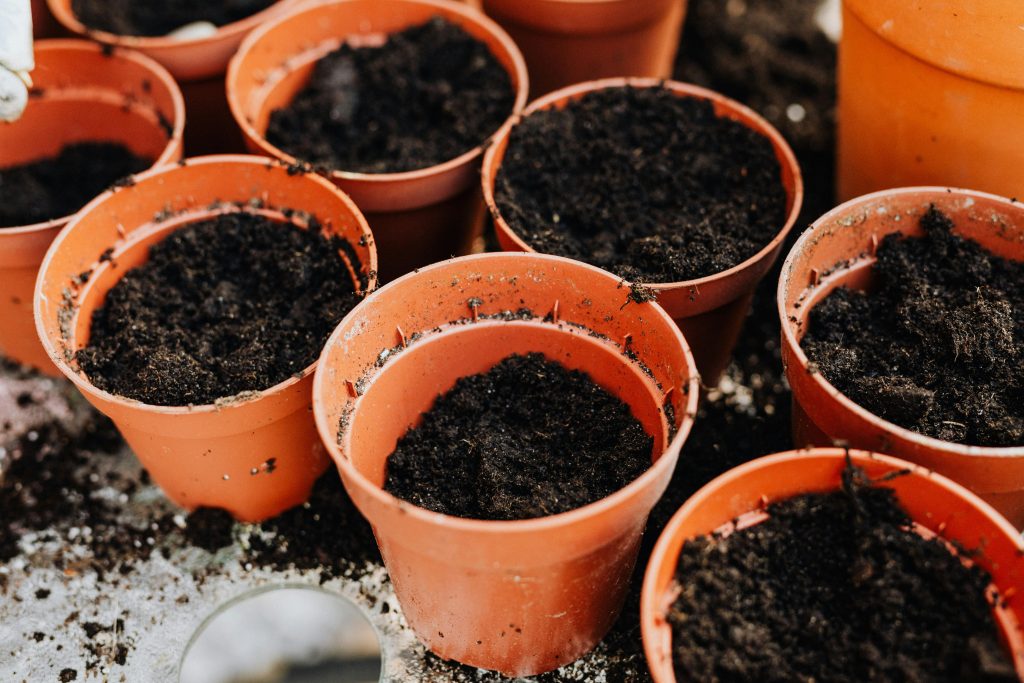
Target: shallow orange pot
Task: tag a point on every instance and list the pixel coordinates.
(418, 217)
(198, 64)
(521, 597)
(83, 96)
(710, 310)
(931, 93)
(937, 505)
(839, 250)
(210, 455)
(572, 41)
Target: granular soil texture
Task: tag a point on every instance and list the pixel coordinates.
(833, 587)
(427, 95)
(233, 304)
(937, 346)
(59, 186)
(642, 182)
(528, 438)
(133, 18)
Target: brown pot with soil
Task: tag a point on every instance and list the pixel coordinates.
(194, 42)
(93, 118)
(190, 305)
(838, 565)
(679, 189)
(573, 41)
(900, 334)
(509, 511)
(436, 79)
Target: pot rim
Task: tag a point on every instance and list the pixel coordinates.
(789, 336)
(329, 431)
(492, 164)
(228, 402)
(467, 12)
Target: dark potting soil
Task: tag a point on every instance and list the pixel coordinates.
(649, 185)
(233, 304)
(133, 18)
(210, 529)
(528, 438)
(937, 346)
(61, 185)
(833, 587)
(427, 95)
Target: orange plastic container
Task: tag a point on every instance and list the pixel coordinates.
(572, 41)
(419, 217)
(710, 310)
(931, 93)
(198, 64)
(838, 250)
(520, 597)
(83, 95)
(210, 455)
(937, 505)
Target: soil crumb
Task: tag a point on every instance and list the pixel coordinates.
(134, 18)
(210, 529)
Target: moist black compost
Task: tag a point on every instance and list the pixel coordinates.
(134, 18)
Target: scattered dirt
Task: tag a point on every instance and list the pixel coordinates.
(233, 304)
(501, 445)
(427, 95)
(833, 587)
(210, 529)
(59, 186)
(133, 18)
(937, 346)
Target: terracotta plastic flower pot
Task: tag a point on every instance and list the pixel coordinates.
(931, 93)
(418, 217)
(572, 41)
(210, 455)
(197, 63)
(937, 505)
(520, 597)
(82, 95)
(838, 250)
(709, 310)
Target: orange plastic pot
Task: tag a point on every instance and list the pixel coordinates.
(838, 250)
(82, 95)
(197, 63)
(418, 217)
(709, 310)
(520, 597)
(572, 41)
(938, 506)
(931, 93)
(210, 455)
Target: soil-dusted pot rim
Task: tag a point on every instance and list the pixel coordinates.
(719, 503)
(156, 177)
(724, 106)
(445, 8)
(329, 428)
(174, 140)
(819, 230)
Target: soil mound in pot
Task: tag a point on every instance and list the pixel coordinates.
(134, 18)
(642, 182)
(232, 304)
(937, 346)
(59, 186)
(833, 587)
(528, 438)
(429, 94)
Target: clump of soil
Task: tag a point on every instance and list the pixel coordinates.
(639, 181)
(528, 438)
(210, 529)
(427, 95)
(133, 18)
(937, 345)
(833, 587)
(233, 304)
(59, 186)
